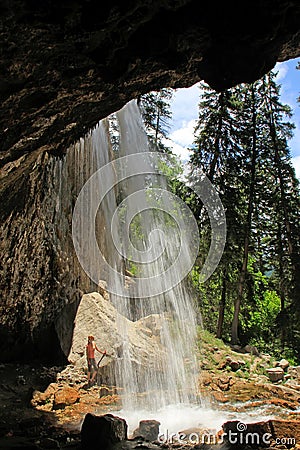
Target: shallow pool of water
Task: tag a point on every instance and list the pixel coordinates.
(176, 418)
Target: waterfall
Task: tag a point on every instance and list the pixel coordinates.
(132, 232)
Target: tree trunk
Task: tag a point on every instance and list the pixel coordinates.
(222, 305)
(157, 127)
(217, 152)
(281, 289)
(283, 205)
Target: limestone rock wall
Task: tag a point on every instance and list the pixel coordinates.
(66, 65)
(42, 281)
(39, 275)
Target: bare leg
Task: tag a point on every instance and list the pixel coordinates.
(94, 376)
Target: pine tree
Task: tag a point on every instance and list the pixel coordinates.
(241, 144)
(156, 112)
(217, 140)
(284, 195)
(250, 143)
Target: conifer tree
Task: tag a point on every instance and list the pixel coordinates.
(284, 195)
(241, 142)
(156, 112)
(217, 140)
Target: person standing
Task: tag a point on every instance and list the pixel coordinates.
(91, 362)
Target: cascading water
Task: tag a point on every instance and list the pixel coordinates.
(144, 235)
(157, 241)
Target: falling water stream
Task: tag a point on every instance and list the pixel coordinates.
(158, 240)
(145, 233)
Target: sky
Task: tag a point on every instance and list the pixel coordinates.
(185, 111)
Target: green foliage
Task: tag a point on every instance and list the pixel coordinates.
(259, 315)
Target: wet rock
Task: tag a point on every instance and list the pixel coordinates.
(275, 374)
(102, 432)
(236, 432)
(48, 443)
(148, 429)
(65, 396)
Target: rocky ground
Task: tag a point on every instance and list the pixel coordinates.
(22, 425)
(44, 407)
(241, 376)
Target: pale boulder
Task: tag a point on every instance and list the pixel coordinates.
(98, 317)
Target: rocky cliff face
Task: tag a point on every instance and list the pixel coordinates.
(41, 279)
(64, 66)
(39, 272)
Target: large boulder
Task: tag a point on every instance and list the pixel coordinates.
(100, 318)
(148, 430)
(102, 432)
